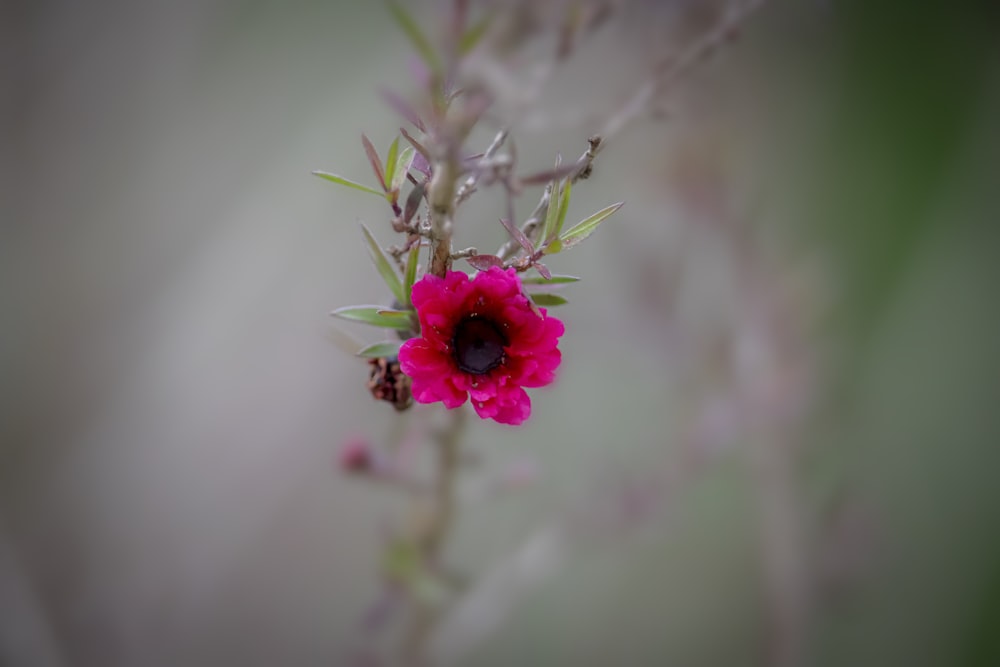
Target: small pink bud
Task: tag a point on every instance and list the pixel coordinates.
(356, 456)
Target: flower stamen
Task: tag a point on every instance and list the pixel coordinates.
(478, 345)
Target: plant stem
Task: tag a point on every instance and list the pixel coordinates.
(441, 198)
(444, 501)
(433, 535)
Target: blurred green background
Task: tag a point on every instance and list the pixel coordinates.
(775, 435)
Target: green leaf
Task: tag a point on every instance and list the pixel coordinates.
(585, 228)
(473, 35)
(411, 271)
(556, 280)
(402, 168)
(415, 35)
(390, 162)
(343, 181)
(376, 350)
(546, 299)
(551, 213)
(375, 315)
(393, 312)
(384, 266)
(563, 207)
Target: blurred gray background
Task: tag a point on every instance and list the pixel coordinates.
(776, 412)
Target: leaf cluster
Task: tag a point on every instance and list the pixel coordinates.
(544, 234)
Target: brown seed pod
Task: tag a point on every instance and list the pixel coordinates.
(388, 383)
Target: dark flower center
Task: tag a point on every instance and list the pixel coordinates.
(478, 345)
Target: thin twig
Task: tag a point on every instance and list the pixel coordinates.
(670, 69)
(665, 73)
(484, 163)
(462, 254)
(580, 169)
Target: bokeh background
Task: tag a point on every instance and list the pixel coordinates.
(775, 435)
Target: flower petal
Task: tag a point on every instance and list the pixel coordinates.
(531, 354)
(516, 411)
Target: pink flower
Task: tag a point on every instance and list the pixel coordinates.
(480, 338)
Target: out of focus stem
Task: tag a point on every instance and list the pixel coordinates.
(433, 534)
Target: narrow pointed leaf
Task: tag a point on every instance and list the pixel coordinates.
(412, 203)
(484, 262)
(376, 350)
(374, 160)
(384, 266)
(518, 235)
(411, 271)
(416, 36)
(585, 228)
(546, 299)
(567, 186)
(421, 164)
(554, 280)
(403, 108)
(375, 315)
(340, 180)
(416, 144)
(542, 269)
(403, 163)
(390, 162)
(551, 213)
